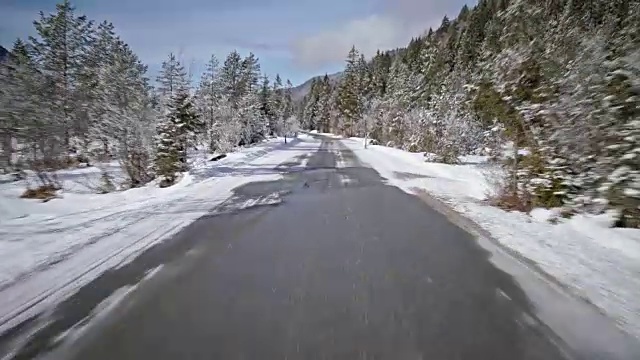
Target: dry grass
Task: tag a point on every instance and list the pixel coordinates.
(44, 192)
(500, 193)
(507, 200)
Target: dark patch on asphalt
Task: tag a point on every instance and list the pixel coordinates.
(408, 176)
(77, 309)
(345, 268)
(296, 161)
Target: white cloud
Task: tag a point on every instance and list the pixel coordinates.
(398, 22)
(368, 35)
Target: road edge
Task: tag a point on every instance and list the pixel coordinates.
(625, 344)
(475, 229)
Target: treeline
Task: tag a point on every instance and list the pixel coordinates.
(77, 92)
(550, 88)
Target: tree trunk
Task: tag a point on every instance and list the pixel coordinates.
(7, 150)
(514, 180)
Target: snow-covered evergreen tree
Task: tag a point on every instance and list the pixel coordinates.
(324, 104)
(276, 104)
(557, 85)
(310, 110)
(168, 152)
(621, 121)
(59, 49)
(250, 73)
(136, 126)
(172, 78)
(24, 118)
(250, 117)
(287, 100)
(350, 93)
(175, 134)
(75, 87)
(268, 106)
(210, 100)
(231, 77)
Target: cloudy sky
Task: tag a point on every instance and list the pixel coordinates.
(296, 38)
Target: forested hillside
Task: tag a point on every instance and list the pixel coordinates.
(77, 93)
(549, 88)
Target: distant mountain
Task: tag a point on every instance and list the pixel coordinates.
(4, 53)
(300, 91)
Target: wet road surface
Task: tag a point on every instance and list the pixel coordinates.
(340, 266)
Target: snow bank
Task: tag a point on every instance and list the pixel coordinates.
(598, 263)
(48, 250)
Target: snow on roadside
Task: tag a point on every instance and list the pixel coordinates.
(50, 249)
(598, 263)
(102, 310)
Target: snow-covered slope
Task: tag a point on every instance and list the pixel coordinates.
(594, 261)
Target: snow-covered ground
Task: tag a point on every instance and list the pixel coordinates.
(595, 262)
(48, 250)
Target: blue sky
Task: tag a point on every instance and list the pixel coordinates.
(296, 38)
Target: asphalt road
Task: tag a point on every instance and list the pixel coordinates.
(343, 267)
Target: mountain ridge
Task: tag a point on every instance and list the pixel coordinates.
(300, 91)
(4, 53)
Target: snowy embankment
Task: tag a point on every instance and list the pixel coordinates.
(595, 262)
(48, 250)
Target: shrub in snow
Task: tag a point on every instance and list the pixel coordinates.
(414, 148)
(106, 184)
(430, 157)
(43, 192)
(137, 165)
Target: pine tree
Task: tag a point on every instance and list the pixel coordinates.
(175, 134)
(310, 110)
(380, 65)
(210, 99)
(267, 109)
(188, 121)
(396, 102)
(324, 104)
(444, 25)
(250, 73)
(276, 103)
(287, 100)
(59, 50)
(172, 78)
(7, 126)
(350, 93)
(74, 88)
(231, 77)
(622, 124)
(168, 152)
(250, 118)
(23, 116)
(98, 87)
(288, 121)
